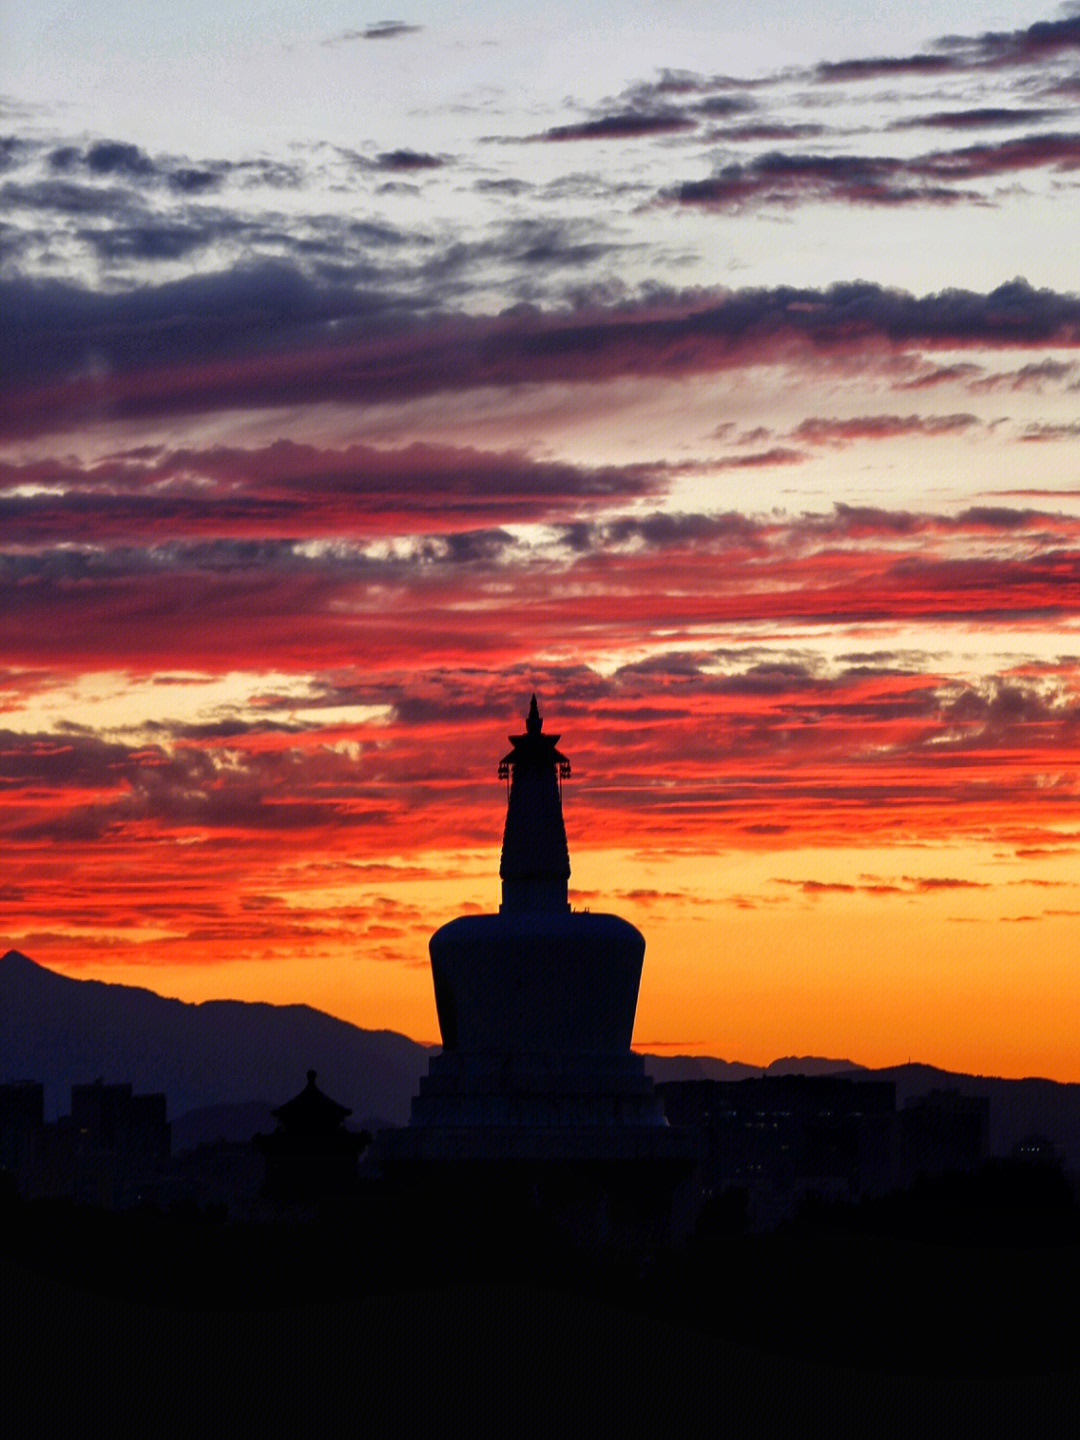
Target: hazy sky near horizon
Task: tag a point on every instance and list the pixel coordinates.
(718, 379)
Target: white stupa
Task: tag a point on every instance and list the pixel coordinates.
(536, 1008)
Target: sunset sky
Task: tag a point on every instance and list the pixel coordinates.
(717, 378)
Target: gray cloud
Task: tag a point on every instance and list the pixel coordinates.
(622, 125)
(105, 157)
(380, 30)
(1036, 44)
(986, 117)
(408, 160)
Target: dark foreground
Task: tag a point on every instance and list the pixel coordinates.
(957, 1301)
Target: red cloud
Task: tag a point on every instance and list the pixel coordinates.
(261, 602)
(288, 490)
(819, 431)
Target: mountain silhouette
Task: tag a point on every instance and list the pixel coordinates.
(63, 1032)
(811, 1065)
(1018, 1108)
(698, 1067)
(230, 1059)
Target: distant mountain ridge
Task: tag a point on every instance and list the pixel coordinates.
(231, 1058)
(221, 1052)
(1018, 1108)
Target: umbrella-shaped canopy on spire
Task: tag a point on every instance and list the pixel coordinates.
(535, 865)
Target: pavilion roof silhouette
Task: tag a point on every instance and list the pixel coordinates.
(311, 1112)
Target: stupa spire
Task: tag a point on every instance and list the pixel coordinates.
(535, 864)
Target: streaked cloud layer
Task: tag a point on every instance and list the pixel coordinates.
(735, 414)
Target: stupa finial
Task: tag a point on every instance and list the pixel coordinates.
(535, 864)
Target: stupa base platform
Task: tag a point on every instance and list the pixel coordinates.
(602, 1145)
(536, 1090)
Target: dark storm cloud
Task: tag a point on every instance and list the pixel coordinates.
(351, 234)
(71, 565)
(645, 109)
(776, 677)
(65, 157)
(652, 692)
(866, 522)
(1033, 375)
(233, 729)
(121, 188)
